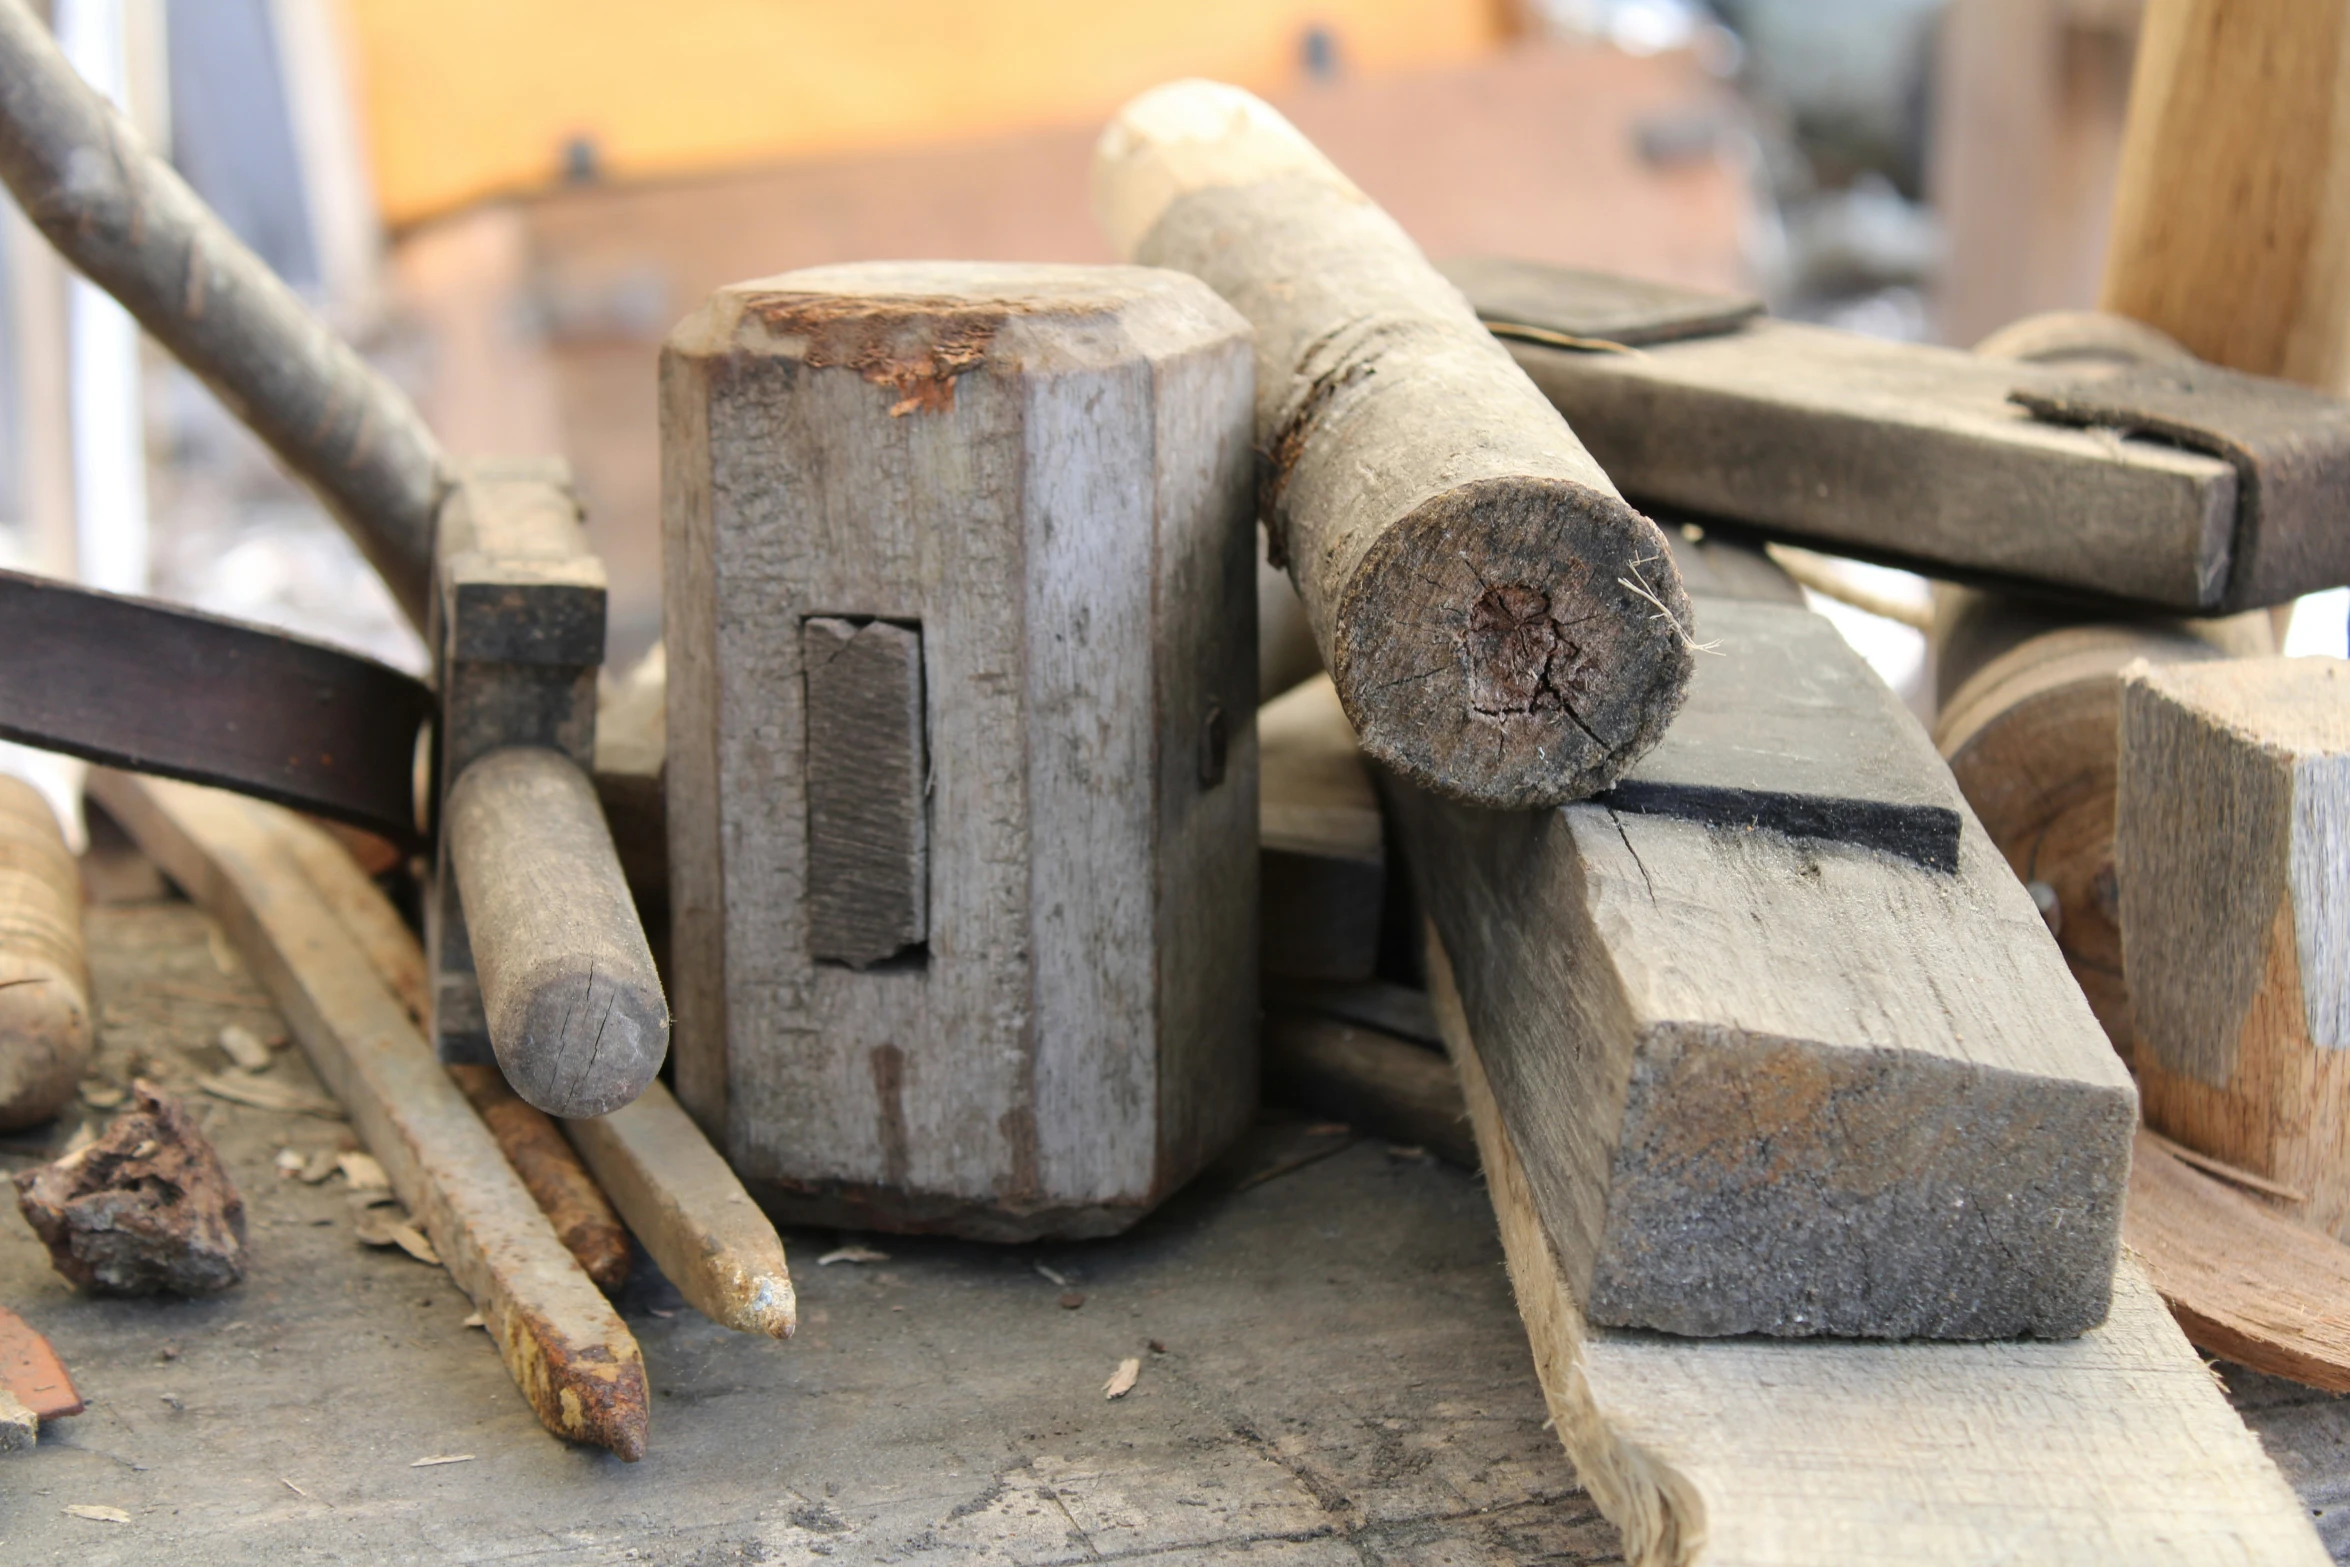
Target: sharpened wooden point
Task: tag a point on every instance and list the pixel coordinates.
(1502, 628)
(45, 1033)
(574, 1005)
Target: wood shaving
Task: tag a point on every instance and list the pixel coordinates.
(442, 1458)
(476, 1320)
(851, 1254)
(362, 1171)
(100, 1514)
(413, 1241)
(1052, 1275)
(103, 1096)
(321, 1165)
(1123, 1379)
(263, 1093)
(244, 1047)
(289, 1485)
(290, 1163)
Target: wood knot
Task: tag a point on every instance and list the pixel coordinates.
(1521, 661)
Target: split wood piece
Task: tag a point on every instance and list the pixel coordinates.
(31, 1371)
(1503, 629)
(1389, 1087)
(2244, 1281)
(132, 226)
(569, 1353)
(570, 1198)
(569, 993)
(701, 1228)
(1786, 1085)
(2029, 703)
(1915, 454)
(1042, 473)
(2231, 833)
(45, 1029)
(1322, 848)
(2116, 1446)
(2232, 201)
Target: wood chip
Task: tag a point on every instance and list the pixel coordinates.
(442, 1458)
(474, 1319)
(412, 1240)
(851, 1254)
(1052, 1275)
(1123, 1379)
(263, 1093)
(361, 1170)
(100, 1514)
(289, 1485)
(290, 1163)
(322, 1164)
(102, 1096)
(244, 1047)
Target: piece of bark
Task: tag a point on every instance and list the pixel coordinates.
(1775, 1084)
(132, 226)
(570, 1198)
(1043, 470)
(1386, 1086)
(1322, 849)
(31, 1371)
(2231, 831)
(691, 1214)
(1503, 629)
(570, 997)
(2243, 1280)
(571, 1356)
(144, 1210)
(2117, 1446)
(45, 1032)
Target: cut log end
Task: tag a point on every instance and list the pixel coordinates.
(1482, 663)
(585, 1042)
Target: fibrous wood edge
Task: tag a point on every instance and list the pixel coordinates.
(2244, 1281)
(691, 1214)
(571, 1355)
(2113, 1447)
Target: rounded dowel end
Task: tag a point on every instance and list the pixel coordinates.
(45, 1032)
(575, 1009)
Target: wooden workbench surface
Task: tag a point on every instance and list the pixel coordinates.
(1342, 1379)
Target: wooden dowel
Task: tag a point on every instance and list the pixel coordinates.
(45, 1034)
(1503, 629)
(570, 1354)
(131, 225)
(690, 1213)
(574, 1005)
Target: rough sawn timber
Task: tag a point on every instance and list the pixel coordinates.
(1502, 628)
(2116, 1446)
(1775, 1084)
(571, 1355)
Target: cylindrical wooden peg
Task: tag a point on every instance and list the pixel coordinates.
(45, 1030)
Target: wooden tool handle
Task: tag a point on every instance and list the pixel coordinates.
(574, 1006)
(44, 981)
(132, 226)
(1502, 628)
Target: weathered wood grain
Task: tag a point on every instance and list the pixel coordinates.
(1322, 848)
(1501, 627)
(1046, 469)
(691, 1213)
(2114, 1446)
(1785, 1085)
(2231, 834)
(868, 828)
(46, 1029)
(568, 1352)
(570, 997)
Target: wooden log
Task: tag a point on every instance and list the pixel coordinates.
(1044, 472)
(2243, 1281)
(129, 223)
(569, 993)
(2115, 1446)
(693, 1216)
(1767, 1083)
(2232, 203)
(2230, 834)
(45, 1026)
(1389, 1087)
(1502, 628)
(570, 1198)
(1322, 848)
(2030, 697)
(568, 1352)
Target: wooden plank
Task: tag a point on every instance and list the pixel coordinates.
(2113, 1446)
(1769, 1084)
(868, 829)
(569, 1353)
(46, 1030)
(1322, 850)
(1046, 469)
(1413, 478)
(2230, 830)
